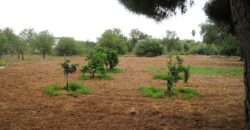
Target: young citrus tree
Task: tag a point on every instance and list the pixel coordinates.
(175, 68)
(68, 69)
(96, 62)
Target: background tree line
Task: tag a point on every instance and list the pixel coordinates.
(216, 41)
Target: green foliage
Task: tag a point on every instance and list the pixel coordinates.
(98, 59)
(78, 88)
(84, 47)
(115, 70)
(44, 42)
(3, 45)
(175, 67)
(187, 92)
(66, 46)
(135, 35)
(205, 70)
(157, 9)
(151, 91)
(68, 69)
(212, 71)
(205, 49)
(72, 88)
(148, 47)
(53, 90)
(2, 63)
(220, 38)
(163, 76)
(171, 43)
(115, 40)
(28, 35)
(96, 62)
(111, 58)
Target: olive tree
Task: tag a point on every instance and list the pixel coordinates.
(115, 40)
(44, 42)
(66, 46)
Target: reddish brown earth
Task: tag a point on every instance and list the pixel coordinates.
(116, 104)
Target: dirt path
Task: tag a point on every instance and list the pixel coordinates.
(24, 106)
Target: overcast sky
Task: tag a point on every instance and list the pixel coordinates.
(88, 19)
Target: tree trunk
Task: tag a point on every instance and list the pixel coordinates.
(22, 56)
(44, 52)
(67, 78)
(241, 19)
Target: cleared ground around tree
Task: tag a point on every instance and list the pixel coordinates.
(116, 104)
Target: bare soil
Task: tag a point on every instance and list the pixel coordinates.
(116, 104)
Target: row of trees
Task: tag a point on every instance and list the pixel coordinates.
(216, 41)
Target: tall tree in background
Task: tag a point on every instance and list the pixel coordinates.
(171, 42)
(10, 40)
(3, 40)
(234, 13)
(136, 35)
(28, 35)
(221, 37)
(114, 39)
(20, 47)
(44, 42)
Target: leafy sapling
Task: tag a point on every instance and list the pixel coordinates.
(175, 67)
(68, 69)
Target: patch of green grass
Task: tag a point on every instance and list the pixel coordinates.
(27, 58)
(79, 88)
(53, 89)
(82, 77)
(187, 92)
(165, 76)
(157, 69)
(73, 88)
(106, 77)
(97, 76)
(115, 70)
(2, 63)
(210, 71)
(151, 91)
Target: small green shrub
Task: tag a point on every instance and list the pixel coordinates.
(175, 68)
(151, 91)
(2, 63)
(68, 69)
(111, 58)
(148, 47)
(96, 62)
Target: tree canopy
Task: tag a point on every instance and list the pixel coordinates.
(157, 9)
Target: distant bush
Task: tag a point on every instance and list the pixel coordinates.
(66, 47)
(148, 47)
(204, 49)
